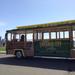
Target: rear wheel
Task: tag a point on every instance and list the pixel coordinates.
(19, 54)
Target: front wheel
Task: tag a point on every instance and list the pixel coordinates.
(19, 54)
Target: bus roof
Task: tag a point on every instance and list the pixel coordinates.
(47, 24)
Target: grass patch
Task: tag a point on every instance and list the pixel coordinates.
(2, 49)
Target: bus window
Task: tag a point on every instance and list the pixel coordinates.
(39, 35)
(61, 35)
(35, 36)
(58, 35)
(12, 36)
(46, 35)
(18, 37)
(22, 38)
(66, 34)
(53, 35)
(9, 36)
(29, 37)
(73, 38)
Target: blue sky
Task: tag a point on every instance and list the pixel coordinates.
(26, 12)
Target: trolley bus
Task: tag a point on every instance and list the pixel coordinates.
(56, 39)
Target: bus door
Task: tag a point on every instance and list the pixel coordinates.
(29, 45)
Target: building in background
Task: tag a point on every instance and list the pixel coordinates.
(2, 42)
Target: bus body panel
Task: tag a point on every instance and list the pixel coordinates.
(52, 48)
(58, 47)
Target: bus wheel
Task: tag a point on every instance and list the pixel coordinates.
(19, 54)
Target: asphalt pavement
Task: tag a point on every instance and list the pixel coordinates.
(35, 66)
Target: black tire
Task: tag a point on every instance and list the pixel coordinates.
(19, 54)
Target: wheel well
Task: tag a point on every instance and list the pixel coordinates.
(17, 51)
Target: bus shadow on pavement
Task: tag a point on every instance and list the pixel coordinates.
(57, 64)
